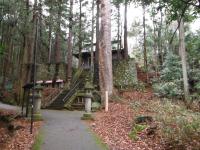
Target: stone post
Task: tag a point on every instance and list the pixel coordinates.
(88, 102)
(37, 103)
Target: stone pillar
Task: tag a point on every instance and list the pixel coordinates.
(88, 101)
(37, 103)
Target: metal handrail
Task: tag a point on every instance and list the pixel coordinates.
(52, 96)
(72, 90)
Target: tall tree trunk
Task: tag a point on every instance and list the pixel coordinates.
(125, 31)
(23, 51)
(34, 44)
(96, 60)
(7, 60)
(155, 56)
(50, 36)
(80, 34)
(118, 32)
(92, 46)
(40, 60)
(105, 51)
(144, 43)
(160, 51)
(57, 46)
(69, 54)
(183, 58)
(29, 45)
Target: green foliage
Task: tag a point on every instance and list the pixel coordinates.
(193, 47)
(170, 82)
(177, 9)
(124, 74)
(179, 126)
(2, 48)
(135, 130)
(44, 74)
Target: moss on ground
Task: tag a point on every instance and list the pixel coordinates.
(98, 140)
(87, 117)
(38, 141)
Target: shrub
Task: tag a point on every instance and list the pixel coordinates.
(170, 82)
(179, 127)
(135, 130)
(124, 74)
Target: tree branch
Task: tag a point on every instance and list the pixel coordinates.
(190, 3)
(182, 14)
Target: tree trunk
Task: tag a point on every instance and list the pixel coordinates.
(155, 56)
(57, 46)
(96, 60)
(183, 58)
(50, 37)
(29, 45)
(92, 46)
(105, 54)
(7, 61)
(80, 34)
(160, 51)
(125, 31)
(118, 32)
(69, 54)
(34, 41)
(144, 44)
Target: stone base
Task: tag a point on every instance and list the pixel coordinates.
(37, 117)
(87, 116)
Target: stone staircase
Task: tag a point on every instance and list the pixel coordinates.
(58, 102)
(67, 98)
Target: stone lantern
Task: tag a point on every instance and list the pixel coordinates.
(37, 102)
(88, 101)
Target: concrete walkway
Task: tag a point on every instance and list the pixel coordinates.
(63, 130)
(9, 107)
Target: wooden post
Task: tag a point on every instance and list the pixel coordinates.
(106, 101)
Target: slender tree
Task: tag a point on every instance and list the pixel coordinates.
(183, 58)
(96, 58)
(92, 40)
(80, 34)
(160, 49)
(50, 35)
(105, 54)
(69, 54)
(125, 31)
(144, 40)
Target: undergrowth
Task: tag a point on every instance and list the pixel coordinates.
(135, 130)
(180, 127)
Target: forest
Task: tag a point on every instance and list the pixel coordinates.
(132, 65)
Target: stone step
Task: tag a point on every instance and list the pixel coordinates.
(78, 106)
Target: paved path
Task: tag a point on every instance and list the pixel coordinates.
(9, 107)
(63, 130)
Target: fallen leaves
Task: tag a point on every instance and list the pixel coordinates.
(20, 139)
(114, 126)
